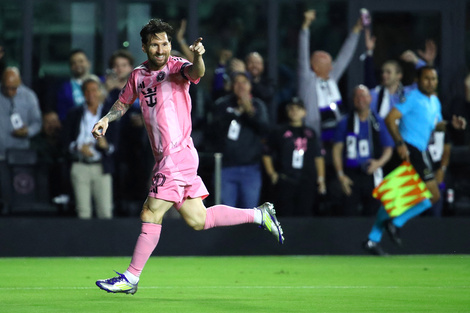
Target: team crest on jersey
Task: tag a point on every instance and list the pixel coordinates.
(161, 76)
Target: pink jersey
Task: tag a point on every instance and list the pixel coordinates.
(165, 104)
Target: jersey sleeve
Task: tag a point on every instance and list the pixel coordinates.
(129, 92)
(182, 66)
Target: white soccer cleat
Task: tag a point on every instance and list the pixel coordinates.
(118, 284)
(270, 222)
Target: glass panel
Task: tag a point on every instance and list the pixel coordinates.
(398, 32)
(11, 33)
(60, 27)
(240, 26)
(133, 15)
(328, 31)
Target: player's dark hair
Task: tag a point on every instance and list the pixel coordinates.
(121, 53)
(419, 71)
(155, 26)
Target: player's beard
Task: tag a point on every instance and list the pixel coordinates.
(156, 63)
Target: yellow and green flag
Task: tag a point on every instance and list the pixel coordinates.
(401, 189)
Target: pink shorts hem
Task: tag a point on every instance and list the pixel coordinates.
(175, 178)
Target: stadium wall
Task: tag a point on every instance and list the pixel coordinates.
(44, 237)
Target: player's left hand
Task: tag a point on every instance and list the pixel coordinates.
(459, 122)
(197, 47)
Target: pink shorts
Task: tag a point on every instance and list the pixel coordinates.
(175, 178)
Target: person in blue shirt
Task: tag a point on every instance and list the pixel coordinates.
(70, 93)
(361, 147)
(418, 115)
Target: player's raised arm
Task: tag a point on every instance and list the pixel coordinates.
(117, 110)
(198, 68)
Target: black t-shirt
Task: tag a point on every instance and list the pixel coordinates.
(286, 145)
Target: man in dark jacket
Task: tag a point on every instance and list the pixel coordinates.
(92, 160)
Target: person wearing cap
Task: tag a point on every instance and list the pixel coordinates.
(294, 163)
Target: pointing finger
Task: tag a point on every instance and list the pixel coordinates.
(197, 41)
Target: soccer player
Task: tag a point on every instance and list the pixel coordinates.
(162, 85)
(419, 115)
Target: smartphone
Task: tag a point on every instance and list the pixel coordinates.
(365, 17)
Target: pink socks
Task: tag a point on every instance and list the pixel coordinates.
(144, 247)
(223, 215)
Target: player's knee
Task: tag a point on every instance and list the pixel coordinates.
(145, 214)
(198, 226)
(197, 222)
(149, 216)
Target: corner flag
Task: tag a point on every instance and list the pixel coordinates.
(401, 189)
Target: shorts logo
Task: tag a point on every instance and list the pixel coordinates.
(157, 181)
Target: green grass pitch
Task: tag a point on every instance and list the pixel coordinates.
(241, 284)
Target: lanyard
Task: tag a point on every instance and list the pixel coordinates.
(12, 106)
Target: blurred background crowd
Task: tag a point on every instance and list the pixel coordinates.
(64, 62)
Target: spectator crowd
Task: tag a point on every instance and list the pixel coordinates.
(311, 154)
